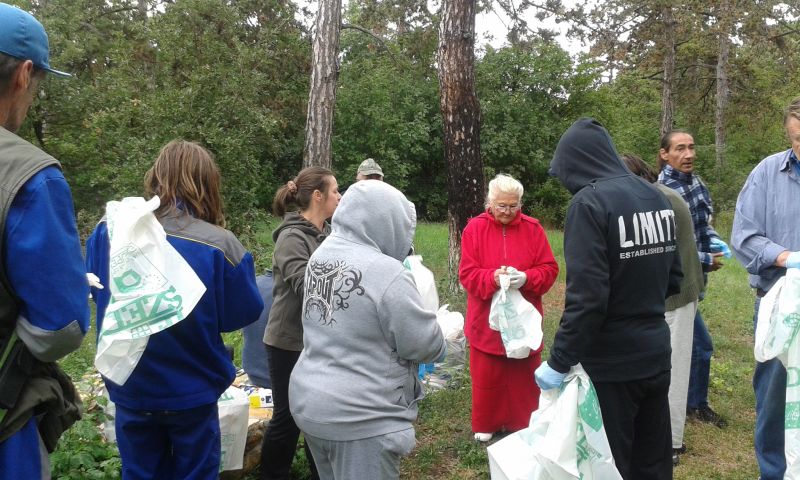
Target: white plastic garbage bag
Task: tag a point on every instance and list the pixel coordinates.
(234, 413)
(152, 287)
(566, 439)
(517, 320)
(777, 337)
(452, 325)
(423, 278)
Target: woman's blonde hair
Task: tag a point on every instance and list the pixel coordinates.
(185, 176)
(503, 184)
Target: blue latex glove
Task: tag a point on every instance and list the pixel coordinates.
(718, 245)
(547, 378)
(793, 260)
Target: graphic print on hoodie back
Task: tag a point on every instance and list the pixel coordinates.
(622, 262)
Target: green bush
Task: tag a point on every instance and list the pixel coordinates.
(83, 453)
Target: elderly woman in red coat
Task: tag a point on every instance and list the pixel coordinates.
(503, 390)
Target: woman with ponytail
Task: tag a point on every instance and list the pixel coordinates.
(305, 203)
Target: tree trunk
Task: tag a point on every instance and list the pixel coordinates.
(461, 123)
(722, 86)
(322, 95)
(667, 100)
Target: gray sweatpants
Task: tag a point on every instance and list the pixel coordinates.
(681, 329)
(368, 458)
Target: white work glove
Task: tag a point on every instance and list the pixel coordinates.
(516, 278)
(93, 280)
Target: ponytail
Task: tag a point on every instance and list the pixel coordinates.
(299, 190)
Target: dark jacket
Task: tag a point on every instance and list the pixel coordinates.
(622, 262)
(295, 240)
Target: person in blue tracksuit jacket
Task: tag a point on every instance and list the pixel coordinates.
(43, 289)
(167, 421)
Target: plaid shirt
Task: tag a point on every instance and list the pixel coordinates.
(695, 192)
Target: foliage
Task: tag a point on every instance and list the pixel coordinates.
(204, 70)
(530, 94)
(83, 453)
(234, 76)
(387, 109)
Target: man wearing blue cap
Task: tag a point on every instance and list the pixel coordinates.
(43, 290)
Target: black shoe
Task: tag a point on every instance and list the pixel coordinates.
(677, 451)
(705, 414)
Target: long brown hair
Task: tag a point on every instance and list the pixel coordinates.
(639, 168)
(299, 190)
(186, 176)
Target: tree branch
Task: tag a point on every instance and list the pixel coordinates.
(113, 11)
(364, 30)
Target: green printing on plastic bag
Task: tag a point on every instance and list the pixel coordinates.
(589, 412)
(589, 409)
(586, 453)
(225, 397)
(226, 441)
(792, 321)
(141, 313)
(792, 416)
(131, 270)
(792, 421)
(514, 330)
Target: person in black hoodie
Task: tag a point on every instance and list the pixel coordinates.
(622, 263)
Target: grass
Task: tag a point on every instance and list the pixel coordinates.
(445, 449)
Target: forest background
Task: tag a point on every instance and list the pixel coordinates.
(234, 75)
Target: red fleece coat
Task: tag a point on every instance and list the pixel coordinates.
(486, 245)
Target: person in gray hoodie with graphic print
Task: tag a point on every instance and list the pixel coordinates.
(354, 390)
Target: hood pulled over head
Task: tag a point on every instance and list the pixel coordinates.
(375, 214)
(584, 154)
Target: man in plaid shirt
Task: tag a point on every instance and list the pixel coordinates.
(676, 161)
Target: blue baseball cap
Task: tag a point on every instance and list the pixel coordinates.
(23, 37)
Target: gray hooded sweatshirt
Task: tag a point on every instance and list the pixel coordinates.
(364, 326)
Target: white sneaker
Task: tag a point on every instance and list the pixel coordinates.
(483, 437)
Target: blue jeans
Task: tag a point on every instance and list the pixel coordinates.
(699, 372)
(769, 385)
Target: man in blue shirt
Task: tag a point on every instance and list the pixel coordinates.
(676, 162)
(766, 240)
(44, 311)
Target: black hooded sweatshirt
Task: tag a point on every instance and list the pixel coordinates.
(622, 262)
